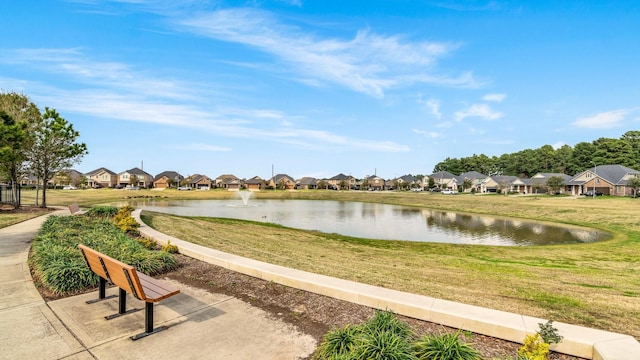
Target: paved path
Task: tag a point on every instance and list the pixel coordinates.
(201, 325)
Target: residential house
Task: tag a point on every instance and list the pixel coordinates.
(167, 179)
(341, 181)
(254, 184)
(607, 179)
(445, 180)
(200, 182)
(282, 182)
(101, 178)
(67, 177)
(224, 180)
(135, 177)
(498, 184)
(406, 182)
(374, 183)
(538, 183)
(306, 183)
(475, 177)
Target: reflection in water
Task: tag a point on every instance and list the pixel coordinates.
(381, 221)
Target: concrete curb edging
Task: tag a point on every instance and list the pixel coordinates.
(578, 341)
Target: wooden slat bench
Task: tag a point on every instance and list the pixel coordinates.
(128, 280)
(74, 209)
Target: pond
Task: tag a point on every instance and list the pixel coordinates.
(382, 221)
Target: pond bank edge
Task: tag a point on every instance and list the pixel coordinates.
(578, 341)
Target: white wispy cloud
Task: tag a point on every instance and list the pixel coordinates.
(429, 134)
(76, 66)
(494, 97)
(482, 111)
(603, 120)
(368, 63)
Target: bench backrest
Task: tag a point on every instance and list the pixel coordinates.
(120, 274)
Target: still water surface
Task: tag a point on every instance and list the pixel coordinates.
(381, 221)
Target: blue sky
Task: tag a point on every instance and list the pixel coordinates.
(317, 88)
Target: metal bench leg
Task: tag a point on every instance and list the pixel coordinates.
(122, 306)
(148, 323)
(102, 291)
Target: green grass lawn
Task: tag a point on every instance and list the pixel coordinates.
(595, 285)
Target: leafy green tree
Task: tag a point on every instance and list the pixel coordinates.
(466, 184)
(54, 148)
(365, 184)
(21, 117)
(634, 184)
(11, 154)
(554, 184)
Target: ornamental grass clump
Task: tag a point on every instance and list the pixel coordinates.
(57, 262)
(106, 212)
(446, 346)
(384, 336)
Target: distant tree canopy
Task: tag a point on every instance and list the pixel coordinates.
(566, 159)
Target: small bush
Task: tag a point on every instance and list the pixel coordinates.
(387, 321)
(549, 334)
(125, 221)
(170, 248)
(337, 343)
(383, 344)
(446, 346)
(534, 348)
(103, 211)
(149, 244)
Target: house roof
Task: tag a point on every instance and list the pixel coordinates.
(137, 171)
(276, 179)
(547, 176)
(307, 181)
(471, 175)
(169, 174)
(197, 178)
(340, 177)
(614, 174)
(443, 175)
(410, 179)
(254, 180)
(99, 170)
(227, 177)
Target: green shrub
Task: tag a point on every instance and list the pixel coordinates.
(60, 265)
(170, 248)
(125, 221)
(446, 346)
(534, 348)
(384, 336)
(387, 321)
(103, 211)
(338, 343)
(383, 344)
(148, 243)
(548, 333)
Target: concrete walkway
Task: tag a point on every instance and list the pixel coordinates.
(200, 324)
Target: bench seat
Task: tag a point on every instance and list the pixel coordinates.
(74, 209)
(128, 280)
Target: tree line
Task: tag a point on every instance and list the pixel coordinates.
(568, 160)
(34, 142)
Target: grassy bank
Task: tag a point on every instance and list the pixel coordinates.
(595, 285)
